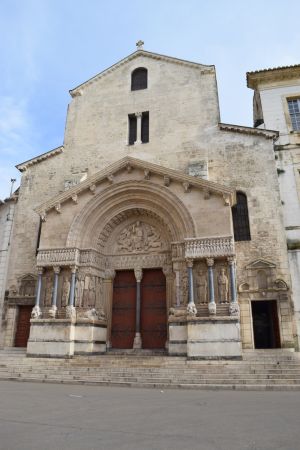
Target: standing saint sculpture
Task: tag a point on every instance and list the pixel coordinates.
(201, 285)
(223, 286)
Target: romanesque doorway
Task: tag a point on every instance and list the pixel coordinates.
(265, 324)
(153, 311)
(23, 326)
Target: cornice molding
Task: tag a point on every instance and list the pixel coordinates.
(77, 91)
(268, 134)
(105, 174)
(273, 74)
(37, 159)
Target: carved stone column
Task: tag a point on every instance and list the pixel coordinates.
(234, 308)
(107, 301)
(191, 307)
(137, 343)
(53, 309)
(138, 116)
(169, 274)
(36, 311)
(70, 309)
(176, 270)
(212, 308)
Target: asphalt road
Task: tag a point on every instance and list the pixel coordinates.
(59, 417)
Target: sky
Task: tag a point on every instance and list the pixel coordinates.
(48, 47)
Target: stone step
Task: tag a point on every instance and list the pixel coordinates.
(216, 386)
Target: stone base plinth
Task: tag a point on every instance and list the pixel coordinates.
(64, 338)
(205, 338)
(177, 338)
(90, 337)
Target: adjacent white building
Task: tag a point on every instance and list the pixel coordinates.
(277, 107)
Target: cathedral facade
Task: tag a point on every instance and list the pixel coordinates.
(154, 226)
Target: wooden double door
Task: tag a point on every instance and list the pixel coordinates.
(153, 313)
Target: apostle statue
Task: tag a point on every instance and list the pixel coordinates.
(223, 286)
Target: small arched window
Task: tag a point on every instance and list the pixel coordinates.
(240, 218)
(139, 79)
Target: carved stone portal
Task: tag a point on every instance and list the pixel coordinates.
(139, 237)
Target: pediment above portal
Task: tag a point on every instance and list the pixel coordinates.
(128, 169)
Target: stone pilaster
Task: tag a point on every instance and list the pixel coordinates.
(212, 308)
(107, 300)
(234, 308)
(53, 309)
(70, 309)
(36, 311)
(191, 307)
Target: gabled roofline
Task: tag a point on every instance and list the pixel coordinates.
(268, 134)
(77, 90)
(37, 159)
(272, 74)
(106, 173)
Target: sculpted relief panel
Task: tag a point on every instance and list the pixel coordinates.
(139, 237)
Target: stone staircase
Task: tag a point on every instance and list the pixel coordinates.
(259, 370)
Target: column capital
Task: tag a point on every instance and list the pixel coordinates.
(40, 270)
(167, 270)
(210, 262)
(231, 260)
(74, 269)
(138, 114)
(109, 274)
(56, 269)
(189, 262)
(138, 273)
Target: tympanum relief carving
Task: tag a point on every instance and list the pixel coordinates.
(139, 237)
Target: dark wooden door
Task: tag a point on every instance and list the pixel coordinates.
(23, 326)
(265, 324)
(153, 309)
(123, 309)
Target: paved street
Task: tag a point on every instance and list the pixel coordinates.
(50, 416)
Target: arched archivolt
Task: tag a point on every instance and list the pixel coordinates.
(100, 212)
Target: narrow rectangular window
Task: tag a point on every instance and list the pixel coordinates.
(145, 127)
(294, 111)
(132, 129)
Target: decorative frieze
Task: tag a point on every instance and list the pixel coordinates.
(209, 247)
(58, 257)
